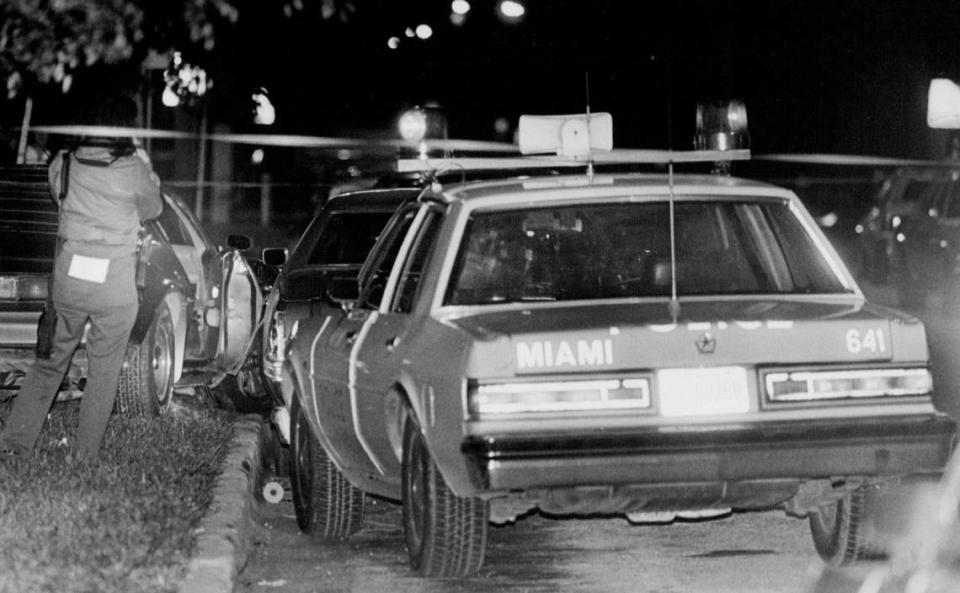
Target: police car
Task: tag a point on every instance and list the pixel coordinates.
(659, 346)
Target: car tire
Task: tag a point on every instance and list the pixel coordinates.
(843, 533)
(446, 535)
(146, 379)
(327, 506)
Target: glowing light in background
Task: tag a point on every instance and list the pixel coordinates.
(413, 125)
(256, 157)
(170, 97)
(424, 31)
(393, 42)
(460, 7)
(410, 33)
(511, 9)
(264, 112)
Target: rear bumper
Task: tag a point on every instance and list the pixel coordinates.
(804, 450)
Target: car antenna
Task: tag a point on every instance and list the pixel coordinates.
(674, 306)
(586, 84)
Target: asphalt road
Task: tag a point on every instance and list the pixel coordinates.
(754, 552)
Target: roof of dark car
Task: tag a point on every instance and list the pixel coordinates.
(375, 199)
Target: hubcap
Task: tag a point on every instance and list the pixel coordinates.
(162, 360)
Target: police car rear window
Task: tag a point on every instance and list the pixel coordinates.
(623, 250)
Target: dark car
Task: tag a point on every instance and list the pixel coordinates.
(879, 230)
(926, 243)
(335, 244)
(199, 303)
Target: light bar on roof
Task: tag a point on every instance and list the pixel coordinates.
(615, 157)
(722, 125)
(573, 136)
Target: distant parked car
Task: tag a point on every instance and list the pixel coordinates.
(199, 304)
(879, 230)
(926, 242)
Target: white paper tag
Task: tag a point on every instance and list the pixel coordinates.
(92, 269)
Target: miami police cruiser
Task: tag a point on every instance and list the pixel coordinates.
(652, 345)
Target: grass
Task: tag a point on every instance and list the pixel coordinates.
(126, 522)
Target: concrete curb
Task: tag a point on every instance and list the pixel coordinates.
(224, 540)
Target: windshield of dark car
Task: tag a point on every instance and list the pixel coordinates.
(723, 247)
(347, 238)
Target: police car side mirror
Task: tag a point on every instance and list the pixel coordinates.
(274, 256)
(343, 291)
(239, 242)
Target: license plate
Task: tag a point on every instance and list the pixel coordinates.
(707, 391)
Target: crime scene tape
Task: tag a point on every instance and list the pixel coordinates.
(854, 160)
(278, 140)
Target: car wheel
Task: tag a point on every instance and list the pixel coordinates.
(146, 379)
(843, 533)
(327, 506)
(446, 535)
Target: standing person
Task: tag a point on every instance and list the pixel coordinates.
(110, 190)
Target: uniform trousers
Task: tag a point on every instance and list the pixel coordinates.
(110, 308)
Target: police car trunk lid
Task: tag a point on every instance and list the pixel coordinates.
(706, 333)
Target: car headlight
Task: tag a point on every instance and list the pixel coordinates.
(559, 396)
(800, 386)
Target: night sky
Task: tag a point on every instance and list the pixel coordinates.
(816, 76)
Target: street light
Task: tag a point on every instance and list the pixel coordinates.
(264, 113)
(511, 10)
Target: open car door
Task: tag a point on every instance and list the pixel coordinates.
(241, 306)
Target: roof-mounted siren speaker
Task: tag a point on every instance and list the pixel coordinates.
(574, 136)
(943, 104)
(721, 125)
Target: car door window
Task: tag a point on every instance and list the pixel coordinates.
(409, 282)
(951, 201)
(185, 240)
(932, 197)
(373, 279)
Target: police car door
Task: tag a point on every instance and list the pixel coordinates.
(382, 354)
(334, 356)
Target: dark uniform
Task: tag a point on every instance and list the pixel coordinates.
(94, 281)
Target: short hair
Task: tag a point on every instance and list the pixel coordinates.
(114, 111)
